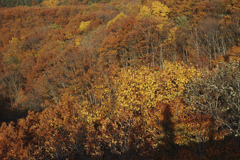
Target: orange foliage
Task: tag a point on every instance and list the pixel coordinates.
(105, 80)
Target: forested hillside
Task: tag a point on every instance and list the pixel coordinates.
(127, 79)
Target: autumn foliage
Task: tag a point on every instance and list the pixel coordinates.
(119, 79)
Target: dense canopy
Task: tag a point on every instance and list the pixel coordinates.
(127, 79)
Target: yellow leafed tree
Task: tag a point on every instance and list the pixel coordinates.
(160, 10)
(144, 12)
(141, 92)
(146, 87)
(84, 25)
(157, 10)
(50, 2)
(118, 17)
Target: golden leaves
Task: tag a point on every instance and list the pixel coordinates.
(78, 42)
(118, 17)
(144, 12)
(50, 2)
(84, 25)
(143, 89)
(158, 10)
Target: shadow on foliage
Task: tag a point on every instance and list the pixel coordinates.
(8, 114)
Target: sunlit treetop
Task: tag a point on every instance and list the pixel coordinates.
(157, 10)
(160, 10)
(84, 25)
(118, 17)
